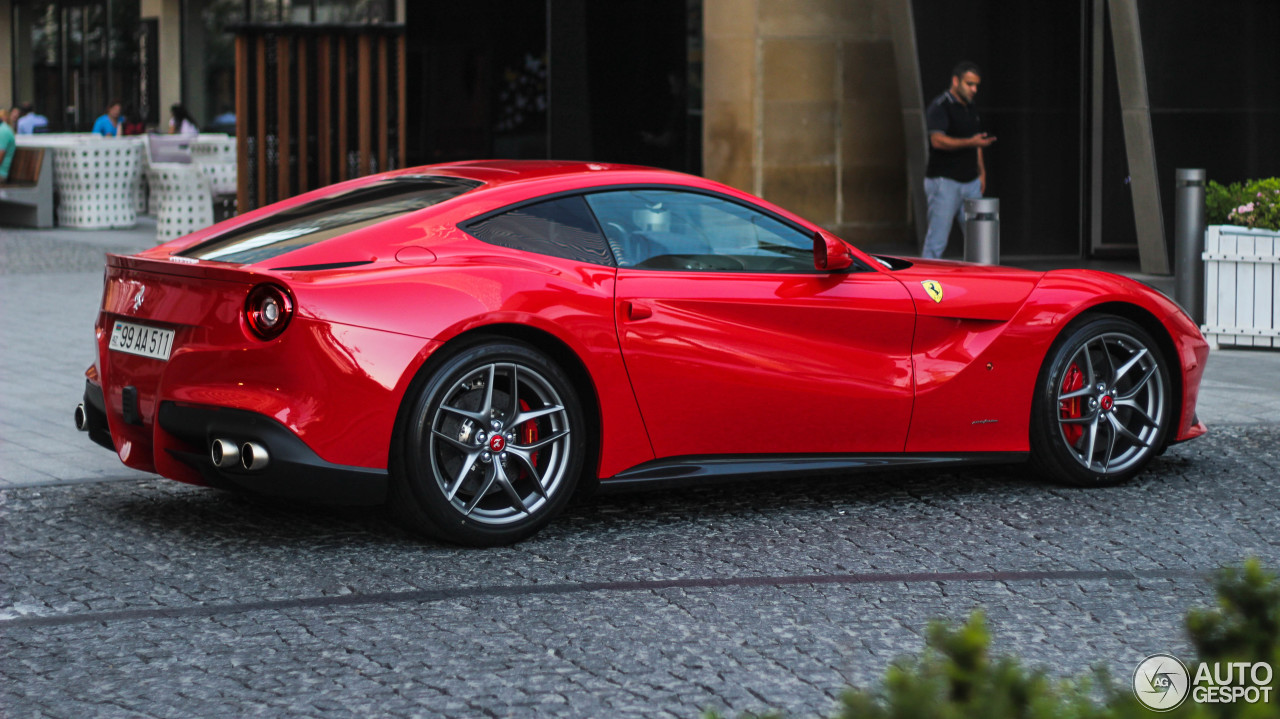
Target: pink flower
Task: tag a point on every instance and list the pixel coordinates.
(1244, 209)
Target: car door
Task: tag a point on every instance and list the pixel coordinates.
(735, 344)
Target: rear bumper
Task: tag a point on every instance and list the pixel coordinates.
(293, 471)
(95, 415)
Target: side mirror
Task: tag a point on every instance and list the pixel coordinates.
(830, 253)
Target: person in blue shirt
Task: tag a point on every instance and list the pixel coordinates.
(108, 125)
(31, 121)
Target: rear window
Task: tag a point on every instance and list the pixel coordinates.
(562, 227)
(331, 216)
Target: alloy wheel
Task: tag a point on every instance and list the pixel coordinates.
(499, 446)
(1111, 403)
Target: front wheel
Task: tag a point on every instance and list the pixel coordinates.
(491, 448)
(1102, 404)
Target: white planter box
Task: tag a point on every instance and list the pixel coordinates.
(1241, 274)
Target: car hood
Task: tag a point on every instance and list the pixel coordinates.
(967, 291)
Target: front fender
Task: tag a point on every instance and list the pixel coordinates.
(977, 395)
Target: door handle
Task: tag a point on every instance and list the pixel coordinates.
(635, 311)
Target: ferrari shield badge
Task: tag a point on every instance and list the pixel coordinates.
(934, 288)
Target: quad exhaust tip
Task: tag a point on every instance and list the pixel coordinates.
(253, 456)
(82, 419)
(224, 453)
(250, 456)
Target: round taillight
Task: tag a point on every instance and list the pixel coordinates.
(267, 311)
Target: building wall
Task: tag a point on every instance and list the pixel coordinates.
(802, 108)
(6, 60)
(169, 14)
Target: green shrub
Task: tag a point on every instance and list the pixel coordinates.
(956, 678)
(1253, 204)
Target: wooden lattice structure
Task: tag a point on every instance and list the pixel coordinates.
(316, 104)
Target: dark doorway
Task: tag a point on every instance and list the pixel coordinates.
(616, 81)
(1032, 57)
(476, 80)
(643, 69)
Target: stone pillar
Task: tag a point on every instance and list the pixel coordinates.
(802, 108)
(169, 14)
(8, 41)
(729, 76)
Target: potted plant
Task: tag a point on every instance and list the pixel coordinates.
(1242, 263)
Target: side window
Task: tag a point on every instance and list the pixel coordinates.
(562, 227)
(675, 230)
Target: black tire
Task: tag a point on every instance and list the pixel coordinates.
(1103, 403)
(454, 479)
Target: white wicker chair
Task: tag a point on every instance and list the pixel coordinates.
(214, 148)
(215, 155)
(95, 182)
(222, 176)
(181, 199)
(139, 184)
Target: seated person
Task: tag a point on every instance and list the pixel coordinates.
(108, 124)
(8, 146)
(180, 122)
(31, 121)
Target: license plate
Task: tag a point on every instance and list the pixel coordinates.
(140, 340)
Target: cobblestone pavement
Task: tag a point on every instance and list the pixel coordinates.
(151, 598)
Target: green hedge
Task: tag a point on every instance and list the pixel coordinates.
(956, 678)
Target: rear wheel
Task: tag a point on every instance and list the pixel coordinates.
(491, 448)
(1102, 405)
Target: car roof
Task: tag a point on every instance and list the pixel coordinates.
(496, 173)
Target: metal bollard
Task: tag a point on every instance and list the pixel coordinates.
(982, 230)
(1188, 239)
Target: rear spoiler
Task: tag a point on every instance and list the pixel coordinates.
(190, 267)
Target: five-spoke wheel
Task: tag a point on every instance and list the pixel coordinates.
(1102, 403)
(492, 447)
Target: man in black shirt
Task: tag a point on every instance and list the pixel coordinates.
(955, 172)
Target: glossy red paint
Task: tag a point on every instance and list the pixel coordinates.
(778, 363)
(336, 386)
(675, 363)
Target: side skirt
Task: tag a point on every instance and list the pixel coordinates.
(698, 470)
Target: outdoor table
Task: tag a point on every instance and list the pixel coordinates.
(96, 179)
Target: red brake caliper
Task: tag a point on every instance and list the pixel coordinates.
(1072, 408)
(528, 434)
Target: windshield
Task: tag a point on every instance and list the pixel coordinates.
(328, 217)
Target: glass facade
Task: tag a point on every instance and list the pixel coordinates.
(615, 82)
(1212, 81)
(1030, 99)
(1050, 94)
(72, 57)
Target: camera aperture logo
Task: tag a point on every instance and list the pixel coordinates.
(1160, 682)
